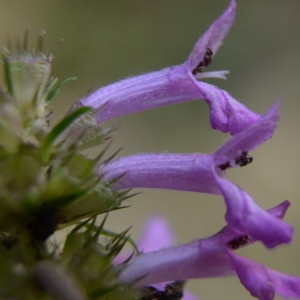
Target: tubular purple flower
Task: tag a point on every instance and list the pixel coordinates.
(156, 234)
(198, 259)
(202, 173)
(212, 257)
(187, 172)
(190, 172)
(178, 84)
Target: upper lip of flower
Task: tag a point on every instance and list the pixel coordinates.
(213, 38)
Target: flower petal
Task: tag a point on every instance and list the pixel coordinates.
(263, 282)
(176, 85)
(157, 234)
(188, 172)
(199, 259)
(210, 257)
(226, 113)
(214, 35)
(280, 210)
(189, 296)
(244, 214)
(250, 138)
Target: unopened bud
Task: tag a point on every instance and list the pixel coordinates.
(27, 75)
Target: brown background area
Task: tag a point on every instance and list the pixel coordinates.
(109, 40)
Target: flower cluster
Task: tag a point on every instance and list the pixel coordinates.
(197, 172)
(47, 183)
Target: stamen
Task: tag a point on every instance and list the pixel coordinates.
(225, 166)
(207, 58)
(172, 291)
(238, 242)
(243, 160)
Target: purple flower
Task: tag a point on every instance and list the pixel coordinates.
(178, 84)
(263, 282)
(213, 257)
(156, 234)
(204, 173)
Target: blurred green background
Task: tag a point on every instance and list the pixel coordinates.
(105, 41)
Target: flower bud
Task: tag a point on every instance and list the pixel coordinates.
(27, 76)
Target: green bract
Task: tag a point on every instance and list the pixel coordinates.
(47, 183)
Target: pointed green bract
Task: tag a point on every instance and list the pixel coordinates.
(47, 184)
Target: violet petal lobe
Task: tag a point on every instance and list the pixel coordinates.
(250, 138)
(243, 213)
(226, 113)
(214, 35)
(280, 210)
(263, 282)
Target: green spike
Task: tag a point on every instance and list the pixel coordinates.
(7, 74)
(54, 90)
(58, 129)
